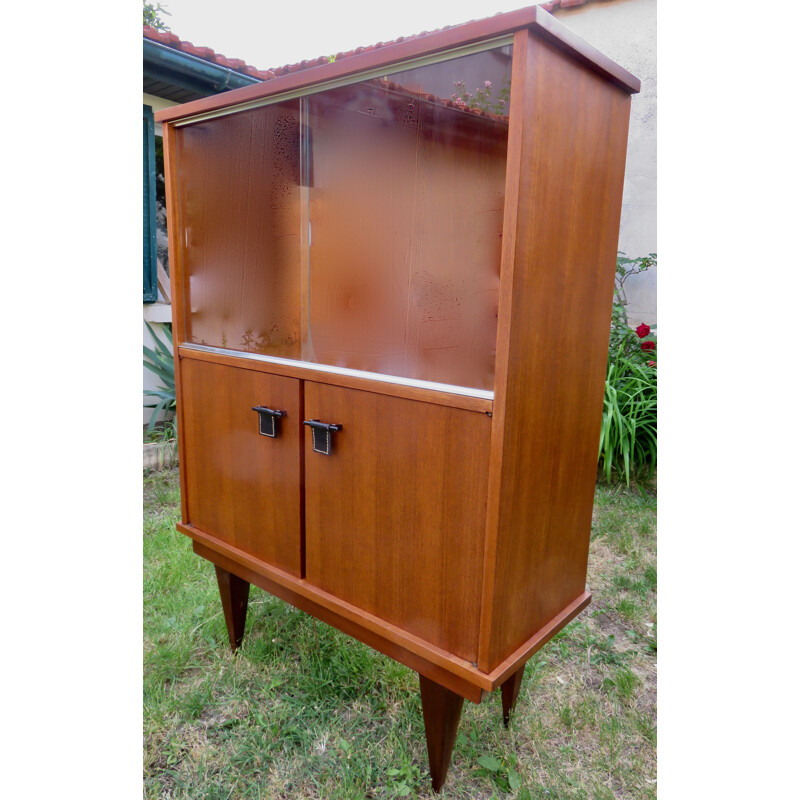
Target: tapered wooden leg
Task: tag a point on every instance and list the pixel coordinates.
(441, 710)
(510, 691)
(234, 593)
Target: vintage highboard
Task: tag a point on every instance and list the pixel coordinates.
(392, 277)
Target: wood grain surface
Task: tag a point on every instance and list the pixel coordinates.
(569, 127)
(395, 517)
(243, 487)
(234, 593)
(437, 665)
(441, 711)
(177, 292)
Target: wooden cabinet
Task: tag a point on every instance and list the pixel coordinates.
(392, 279)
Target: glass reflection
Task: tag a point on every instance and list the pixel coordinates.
(357, 227)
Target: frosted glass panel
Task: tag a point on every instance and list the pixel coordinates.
(357, 227)
(405, 212)
(240, 219)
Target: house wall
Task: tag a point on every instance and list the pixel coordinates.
(157, 104)
(625, 31)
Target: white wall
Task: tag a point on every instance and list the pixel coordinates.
(625, 31)
(157, 104)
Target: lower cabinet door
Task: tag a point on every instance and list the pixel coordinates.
(396, 514)
(243, 486)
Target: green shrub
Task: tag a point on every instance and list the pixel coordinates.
(628, 435)
(161, 363)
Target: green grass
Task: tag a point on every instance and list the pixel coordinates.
(303, 711)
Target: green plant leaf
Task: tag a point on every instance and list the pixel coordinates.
(628, 441)
(157, 339)
(490, 763)
(162, 364)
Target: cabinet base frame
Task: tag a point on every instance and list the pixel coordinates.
(442, 693)
(447, 670)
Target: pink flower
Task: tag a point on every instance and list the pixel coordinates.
(487, 84)
(460, 102)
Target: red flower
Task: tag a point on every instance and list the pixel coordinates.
(651, 363)
(642, 331)
(648, 345)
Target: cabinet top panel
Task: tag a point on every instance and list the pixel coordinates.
(537, 19)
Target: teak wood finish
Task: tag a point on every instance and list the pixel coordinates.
(441, 712)
(559, 254)
(510, 692)
(234, 593)
(408, 486)
(244, 488)
(447, 529)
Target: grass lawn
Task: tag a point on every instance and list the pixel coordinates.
(303, 711)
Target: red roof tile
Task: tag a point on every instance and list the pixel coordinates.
(206, 53)
(549, 6)
(236, 64)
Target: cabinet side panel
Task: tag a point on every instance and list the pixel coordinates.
(550, 388)
(176, 291)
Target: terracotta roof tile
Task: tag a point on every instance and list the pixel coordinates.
(549, 6)
(554, 4)
(569, 3)
(171, 40)
(206, 53)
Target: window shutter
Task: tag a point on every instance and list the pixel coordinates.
(150, 283)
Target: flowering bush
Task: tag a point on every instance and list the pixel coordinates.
(628, 435)
(483, 97)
